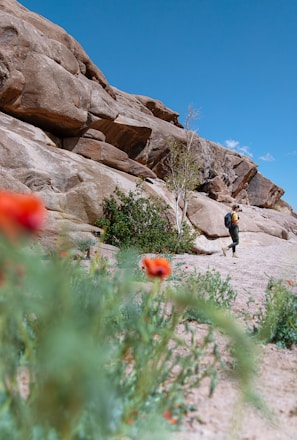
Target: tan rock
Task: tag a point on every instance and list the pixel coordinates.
(264, 193)
(106, 153)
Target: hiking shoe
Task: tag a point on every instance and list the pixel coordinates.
(235, 256)
(224, 251)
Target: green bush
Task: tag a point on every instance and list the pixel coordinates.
(277, 323)
(211, 288)
(135, 220)
(96, 356)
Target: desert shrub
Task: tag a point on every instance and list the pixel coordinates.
(211, 288)
(277, 322)
(135, 220)
(94, 355)
(84, 245)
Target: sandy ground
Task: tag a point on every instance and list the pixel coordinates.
(223, 416)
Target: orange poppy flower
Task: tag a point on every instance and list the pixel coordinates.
(20, 213)
(167, 414)
(157, 267)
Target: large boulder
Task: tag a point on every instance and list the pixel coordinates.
(262, 192)
(108, 154)
(207, 216)
(57, 34)
(41, 81)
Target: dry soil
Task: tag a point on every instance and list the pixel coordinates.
(223, 416)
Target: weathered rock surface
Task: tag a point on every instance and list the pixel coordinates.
(66, 134)
(106, 153)
(262, 192)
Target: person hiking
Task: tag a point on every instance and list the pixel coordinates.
(234, 232)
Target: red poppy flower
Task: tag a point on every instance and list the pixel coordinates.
(157, 267)
(20, 213)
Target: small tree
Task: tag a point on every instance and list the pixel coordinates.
(183, 170)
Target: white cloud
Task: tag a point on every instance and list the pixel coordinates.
(245, 151)
(231, 143)
(267, 157)
(235, 145)
(292, 153)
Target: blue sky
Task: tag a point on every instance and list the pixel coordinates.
(234, 61)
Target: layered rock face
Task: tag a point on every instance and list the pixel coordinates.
(71, 137)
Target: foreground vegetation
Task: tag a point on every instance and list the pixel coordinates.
(109, 352)
(97, 355)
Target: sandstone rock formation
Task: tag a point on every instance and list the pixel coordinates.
(72, 138)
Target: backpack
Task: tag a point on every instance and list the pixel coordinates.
(228, 220)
